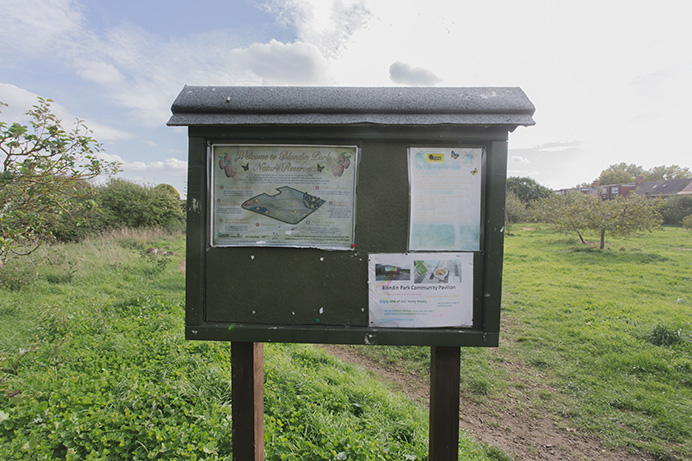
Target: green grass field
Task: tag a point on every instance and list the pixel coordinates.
(603, 339)
(610, 330)
(94, 365)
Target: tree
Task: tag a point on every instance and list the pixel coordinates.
(620, 216)
(624, 216)
(615, 177)
(527, 189)
(622, 173)
(565, 213)
(663, 172)
(44, 174)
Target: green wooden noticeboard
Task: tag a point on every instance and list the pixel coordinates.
(347, 215)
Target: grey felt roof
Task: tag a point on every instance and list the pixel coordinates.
(664, 187)
(259, 105)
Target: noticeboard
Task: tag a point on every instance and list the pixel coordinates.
(333, 232)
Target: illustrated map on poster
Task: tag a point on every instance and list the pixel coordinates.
(445, 188)
(285, 196)
(420, 290)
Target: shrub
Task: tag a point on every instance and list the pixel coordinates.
(135, 206)
(119, 204)
(675, 208)
(515, 210)
(527, 189)
(687, 222)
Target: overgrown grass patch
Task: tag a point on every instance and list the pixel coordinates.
(94, 365)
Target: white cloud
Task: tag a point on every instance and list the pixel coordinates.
(99, 72)
(28, 27)
(19, 101)
(405, 74)
(328, 25)
(277, 63)
(170, 166)
(610, 81)
(519, 159)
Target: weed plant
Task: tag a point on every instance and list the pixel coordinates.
(94, 365)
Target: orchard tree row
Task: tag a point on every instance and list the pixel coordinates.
(579, 213)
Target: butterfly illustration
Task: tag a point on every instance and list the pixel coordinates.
(320, 168)
(455, 155)
(246, 166)
(473, 173)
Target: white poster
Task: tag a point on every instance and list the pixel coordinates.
(283, 196)
(421, 290)
(445, 198)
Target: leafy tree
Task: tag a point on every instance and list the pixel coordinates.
(81, 221)
(565, 213)
(622, 173)
(620, 216)
(527, 189)
(44, 174)
(663, 172)
(624, 216)
(615, 177)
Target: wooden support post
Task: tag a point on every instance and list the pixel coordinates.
(247, 381)
(444, 403)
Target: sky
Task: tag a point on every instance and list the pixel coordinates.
(611, 80)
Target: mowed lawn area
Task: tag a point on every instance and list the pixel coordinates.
(94, 361)
(610, 331)
(598, 340)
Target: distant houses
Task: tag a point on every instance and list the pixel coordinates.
(664, 188)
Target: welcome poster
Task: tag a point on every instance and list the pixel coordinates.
(284, 196)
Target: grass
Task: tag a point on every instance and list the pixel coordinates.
(93, 362)
(602, 338)
(612, 329)
(94, 365)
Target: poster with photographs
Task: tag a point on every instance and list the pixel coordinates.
(420, 290)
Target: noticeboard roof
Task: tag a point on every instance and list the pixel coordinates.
(261, 105)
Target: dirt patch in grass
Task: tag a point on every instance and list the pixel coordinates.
(508, 424)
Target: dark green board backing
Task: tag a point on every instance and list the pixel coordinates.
(264, 294)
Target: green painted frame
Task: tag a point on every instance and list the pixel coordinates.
(226, 302)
